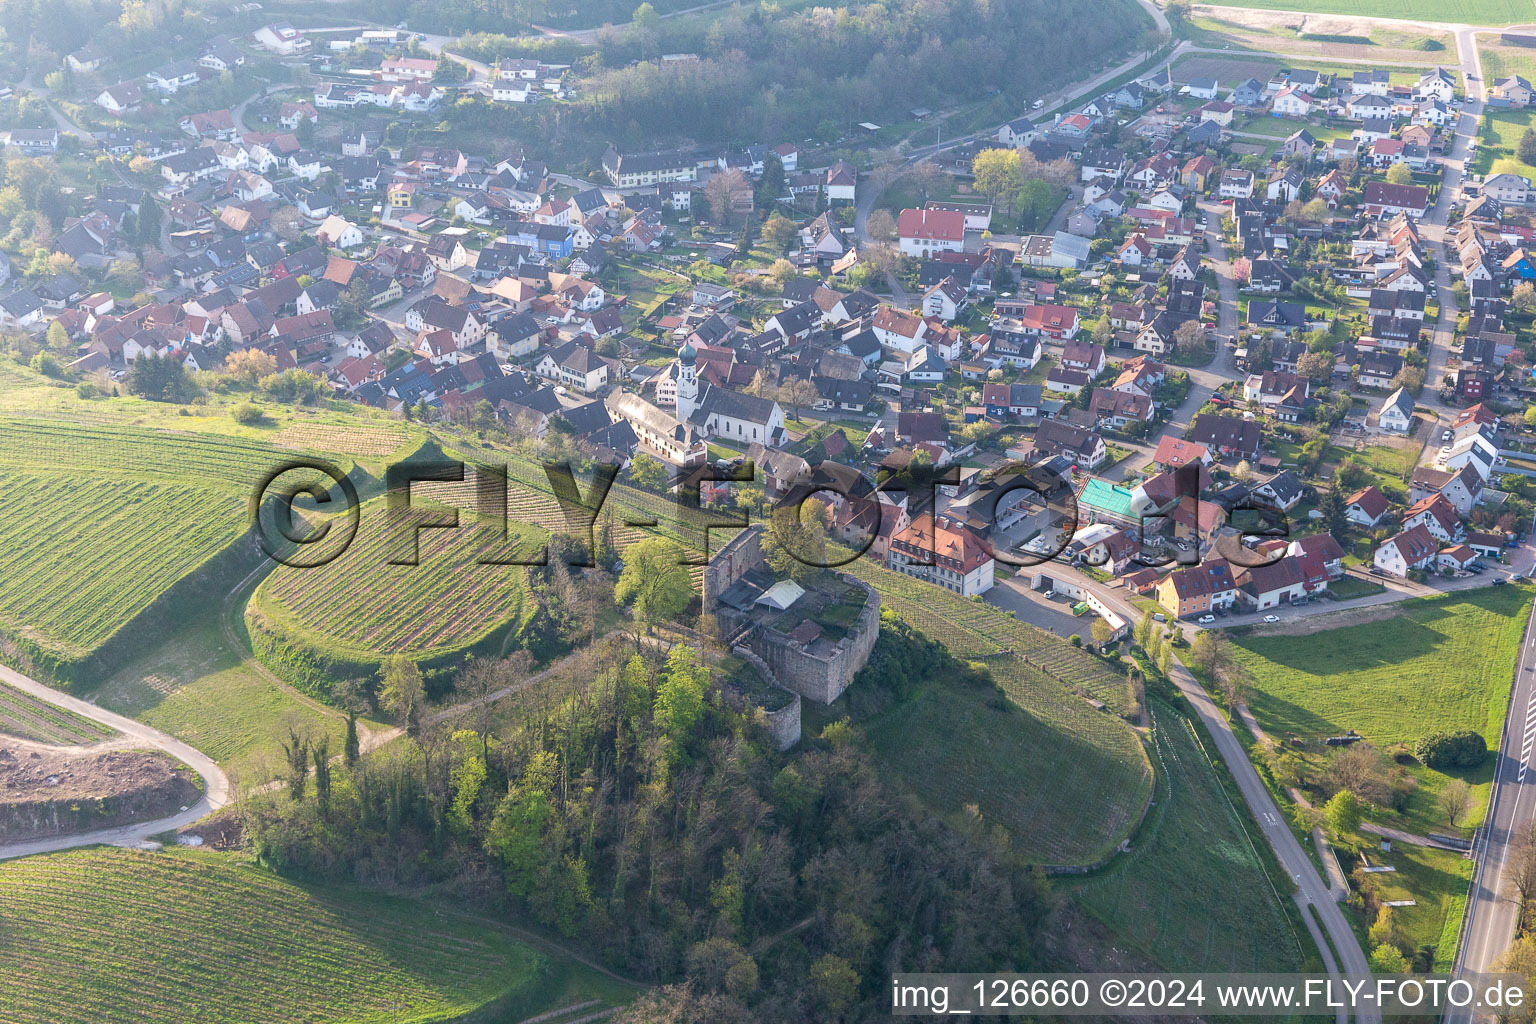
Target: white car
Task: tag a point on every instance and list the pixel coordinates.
(1271, 618)
(1206, 620)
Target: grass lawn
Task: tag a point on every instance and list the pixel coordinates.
(1439, 663)
(1017, 776)
(1437, 881)
(1158, 897)
(1349, 587)
(1387, 464)
(180, 935)
(1472, 12)
(200, 690)
(997, 768)
(1503, 61)
(1498, 135)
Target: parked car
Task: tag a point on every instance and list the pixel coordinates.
(1206, 620)
(1499, 582)
(1271, 618)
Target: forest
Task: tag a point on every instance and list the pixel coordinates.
(641, 815)
(763, 75)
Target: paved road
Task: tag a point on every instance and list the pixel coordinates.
(216, 791)
(1490, 921)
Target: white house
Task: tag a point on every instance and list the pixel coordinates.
(339, 233)
(1412, 549)
(1397, 412)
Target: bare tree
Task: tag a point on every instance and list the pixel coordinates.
(1520, 869)
(480, 682)
(1455, 801)
(1189, 337)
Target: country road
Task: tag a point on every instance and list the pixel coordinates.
(216, 789)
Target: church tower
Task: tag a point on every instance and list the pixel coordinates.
(687, 382)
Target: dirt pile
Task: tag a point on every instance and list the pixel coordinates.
(47, 793)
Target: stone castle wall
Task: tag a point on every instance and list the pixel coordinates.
(730, 564)
(822, 677)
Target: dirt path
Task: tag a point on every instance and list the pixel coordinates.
(368, 739)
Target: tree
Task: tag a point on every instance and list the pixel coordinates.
(1101, 632)
(1455, 801)
(1210, 652)
(1444, 751)
(1524, 297)
(1189, 337)
(296, 756)
(1316, 365)
(1388, 959)
(250, 365)
(835, 984)
(882, 226)
(645, 17)
(799, 392)
(480, 679)
(148, 220)
(679, 700)
(1335, 515)
(1036, 202)
(320, 753)
(403, 691)
(351, 750)
(780, 232)
(160, 379)
(1385, 930)
(999, 174)
(1343, 812)
(648, 472)
(1410, 378)
(1530, 415)
(771, 185)
(1242, 270)
(1399, 174)
(1103, 331)
(654, 581)
(1526, 148)
(1519, 958)
(721, 190)
(782, 272)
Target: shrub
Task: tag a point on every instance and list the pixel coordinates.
(1445, 750)
(246, 414)
(1076, 640)
(85, 389)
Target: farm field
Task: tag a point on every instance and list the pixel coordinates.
(363, 606)
(1437, 664)
(174, 936)
(23, 715)
(1059, 816)
(1471, 12)
(1335, 39)
(1158, 897)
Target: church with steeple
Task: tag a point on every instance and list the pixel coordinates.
(704, 410)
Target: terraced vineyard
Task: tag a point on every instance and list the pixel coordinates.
(361, 606)
(1068, 782)
(110, 516)
(112, 934)
(23, 715)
